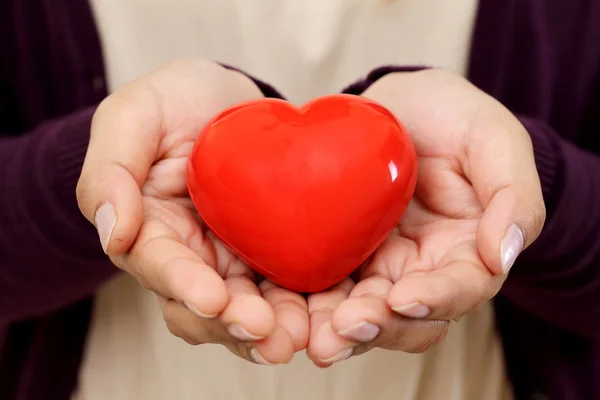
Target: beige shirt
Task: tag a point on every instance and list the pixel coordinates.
(305, 48)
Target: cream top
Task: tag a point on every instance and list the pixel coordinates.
(305, 49)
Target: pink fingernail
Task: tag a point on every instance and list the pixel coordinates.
(341, 356)
(413, 310)
(105, 220)
(258, 358)
(362, 332)
(511, 247)
(238, 332)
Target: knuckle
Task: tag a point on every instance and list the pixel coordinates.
(170, 320)
(534, 220)
(173, 324)
(138, 102)
(82, 194)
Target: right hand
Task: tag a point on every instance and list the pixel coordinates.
(133, 188)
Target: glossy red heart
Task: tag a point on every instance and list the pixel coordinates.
(303, 195)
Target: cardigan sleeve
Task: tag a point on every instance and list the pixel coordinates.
(50, 255)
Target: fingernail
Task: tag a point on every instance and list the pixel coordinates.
(238, 332)
(258, 358)
(362, 332)
(105, 220)
(512, 245)
(341, 356)
(193, 309)
(413, 310)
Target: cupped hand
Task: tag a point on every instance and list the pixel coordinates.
(478, 204)
(133, 188)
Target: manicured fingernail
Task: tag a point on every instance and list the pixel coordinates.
(238, 332)
(413, 310)
(362, 332)
(105, 220)
(258, 358)
(193, 309)
(512, 245)
(341, 356)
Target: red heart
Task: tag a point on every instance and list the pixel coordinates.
(303, 195)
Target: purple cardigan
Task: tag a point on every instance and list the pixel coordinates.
(540, 58)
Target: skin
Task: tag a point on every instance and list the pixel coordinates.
(477, 178)
(140, 139)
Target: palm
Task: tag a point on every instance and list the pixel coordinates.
(477, 199)
(431, 259)
(206, 293)
(169, 212)
(438, 227)
(168, 206)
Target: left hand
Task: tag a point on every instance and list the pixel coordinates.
(478, 204)
(133, 188)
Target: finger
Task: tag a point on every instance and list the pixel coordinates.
(251, 323)
(227, 264)
(369, 322)
(183, 323)
(503, 173)
(391, 259)
(161, 262)
(277, 348)
(498, 161)
(460, 284)
(128, 136)
(353, 319)
(291, 312)
(248, 317)
(325, 347)
(124, 141)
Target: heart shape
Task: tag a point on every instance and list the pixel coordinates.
(303, 195)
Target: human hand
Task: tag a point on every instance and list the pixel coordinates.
(133, 188)
(477, 205)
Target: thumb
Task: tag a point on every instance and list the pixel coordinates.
(504, 175)
(126, 134)
(123, 146)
